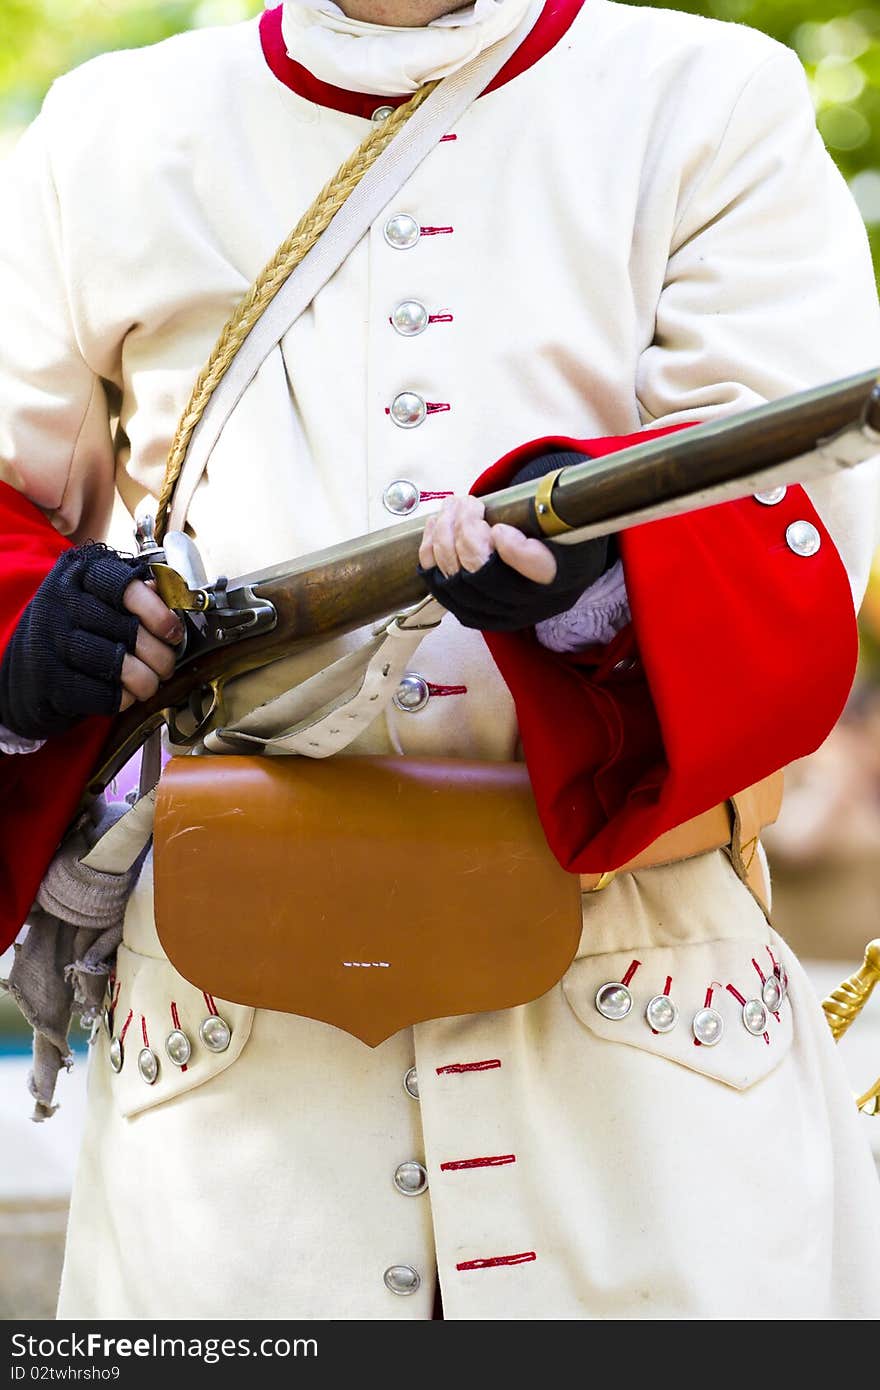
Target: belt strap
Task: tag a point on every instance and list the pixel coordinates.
(734, 825)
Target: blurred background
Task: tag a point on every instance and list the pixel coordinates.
(825, 851)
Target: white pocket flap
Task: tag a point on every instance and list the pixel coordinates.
(717, 974)
(153, 1007)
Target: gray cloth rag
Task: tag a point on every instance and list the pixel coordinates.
(60, 968)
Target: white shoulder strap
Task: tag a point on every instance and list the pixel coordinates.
(446, 104)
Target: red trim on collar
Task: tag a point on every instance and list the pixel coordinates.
(554, 20)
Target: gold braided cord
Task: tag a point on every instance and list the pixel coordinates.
(288, 256)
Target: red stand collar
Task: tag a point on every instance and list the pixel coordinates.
(554, 20)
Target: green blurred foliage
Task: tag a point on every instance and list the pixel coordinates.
(838, 42)
(41, 38)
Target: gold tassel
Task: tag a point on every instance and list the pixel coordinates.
(843, 1006)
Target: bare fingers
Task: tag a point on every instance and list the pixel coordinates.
(457, 537)
(154, 655)
(151, 612)
(530, 558)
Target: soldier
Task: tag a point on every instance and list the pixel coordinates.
(634, 228)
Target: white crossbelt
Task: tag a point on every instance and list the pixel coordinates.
(326, 712)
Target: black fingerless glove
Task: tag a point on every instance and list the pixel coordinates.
(65, 657)
(496, 598)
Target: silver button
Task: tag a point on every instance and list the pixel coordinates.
(754, 1016)
(401, 231)
(178, 1047)
(409, 318)
(148, 1065)
(708, 1025)
(411, 1178)
(613, 1001)
(402, 1279)
(408, 410)
(116, 1054)
(662, 1013)
(772, 497)
(400, 497)
(771, 993)
(412, 694)
(411, 1083)
(215, 1033)
(381, 113)
(803, 538)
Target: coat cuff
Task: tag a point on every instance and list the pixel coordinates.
(715, 683)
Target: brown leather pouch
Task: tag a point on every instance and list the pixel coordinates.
(370, 893)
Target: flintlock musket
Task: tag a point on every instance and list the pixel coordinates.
(235, 626)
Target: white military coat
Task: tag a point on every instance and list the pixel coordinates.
(639, 228)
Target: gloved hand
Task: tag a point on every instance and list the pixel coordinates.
(93, 639)
(498, 580)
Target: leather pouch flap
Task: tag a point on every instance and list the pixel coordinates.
(369, 893)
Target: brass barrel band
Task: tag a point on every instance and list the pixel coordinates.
(548, 518)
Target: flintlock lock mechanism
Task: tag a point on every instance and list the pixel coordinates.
(843, 1006)
(213, 616)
